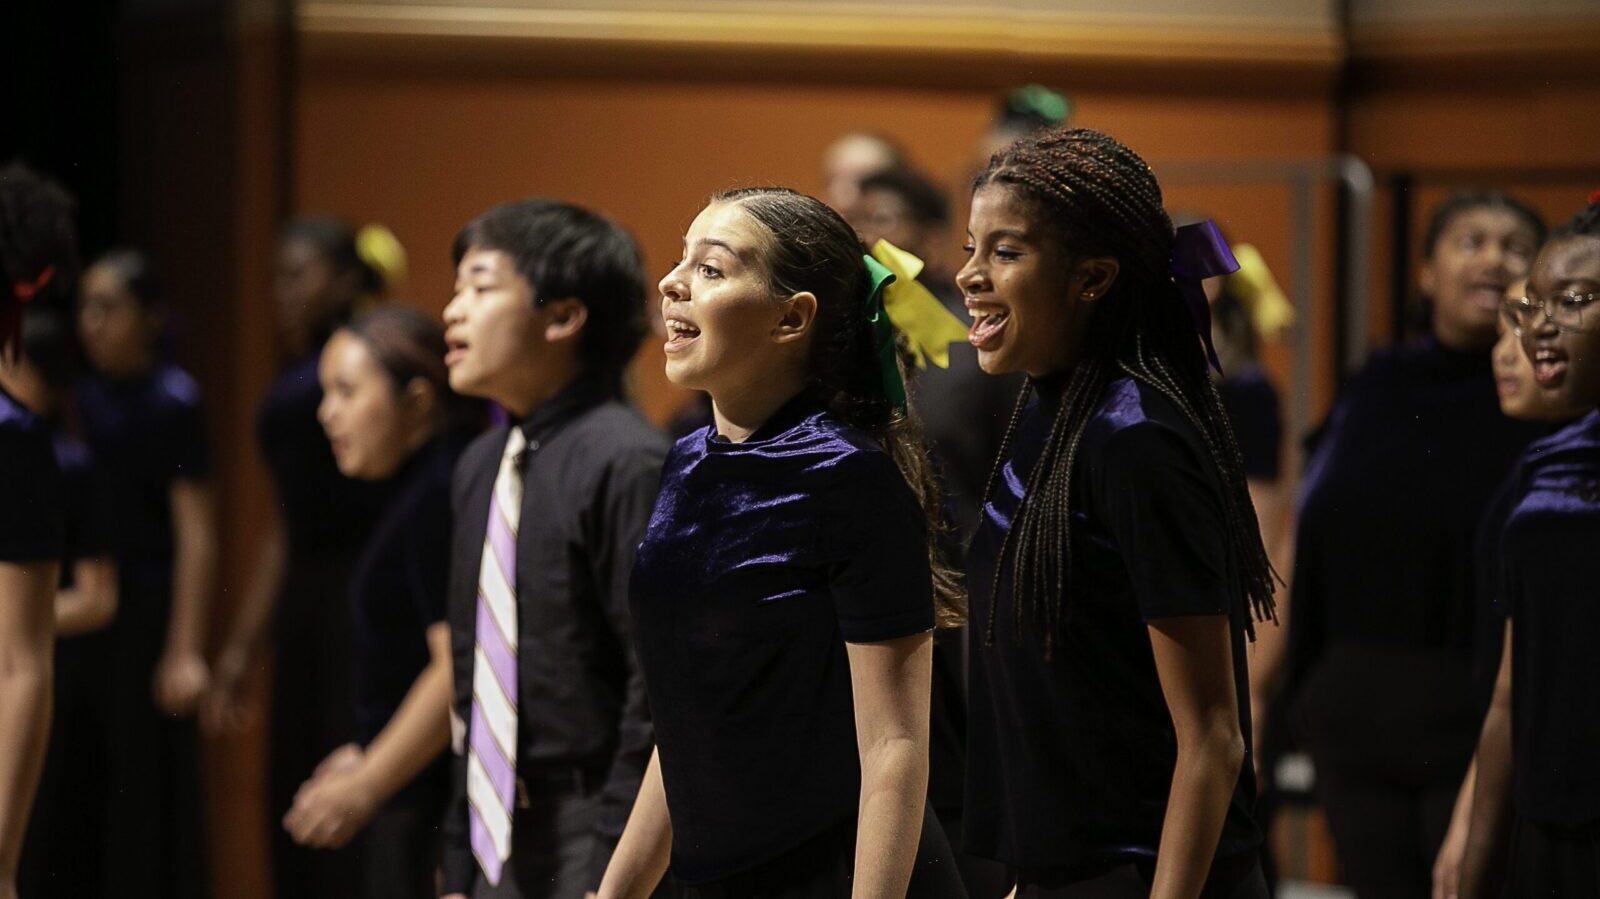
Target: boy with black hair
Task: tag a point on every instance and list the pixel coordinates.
(552, 733)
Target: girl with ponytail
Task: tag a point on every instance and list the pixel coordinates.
(787, 588)
(1118, 568)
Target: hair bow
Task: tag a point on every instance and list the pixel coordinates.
(383, 253)
(929, 327)
(1200, 252)
(1270, 311)
(894, 388)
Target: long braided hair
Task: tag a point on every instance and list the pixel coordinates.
(1099, 198)
(813, 249)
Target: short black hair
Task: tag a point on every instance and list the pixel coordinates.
(50, 344)
(567, 251)
(335, 241)
(1463, 201)
(1586, 223)
(36, 233)
(927, 202)
(138, 273)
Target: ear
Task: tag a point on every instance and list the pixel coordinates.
(419, 399)
(564, 319)
(799, 311)
(1095, 276)
(1427, 278)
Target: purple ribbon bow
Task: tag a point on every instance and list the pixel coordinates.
(1199, 252)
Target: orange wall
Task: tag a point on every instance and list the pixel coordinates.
(424, 152)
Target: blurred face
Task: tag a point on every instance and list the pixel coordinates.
(845, 162)
(369, 422)
(1028, 302)
(118, 333)
(1476, 258)
(307, 289)
(885, 215)
(726, 329)
(1567, 362)
(501, 346)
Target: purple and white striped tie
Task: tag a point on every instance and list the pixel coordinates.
(492, 732)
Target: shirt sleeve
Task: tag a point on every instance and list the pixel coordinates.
(617, 521)
(32, 527)
(1162, 505)
(190, 453)
(883, 583)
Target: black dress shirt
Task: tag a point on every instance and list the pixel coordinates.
(590, 476)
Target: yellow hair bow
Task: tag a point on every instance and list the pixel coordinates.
(929, 327)
(381, 251)
(1270, 311)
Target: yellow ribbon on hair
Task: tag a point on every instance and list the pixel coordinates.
(929, 327)
(382, 252)
(1270, 311)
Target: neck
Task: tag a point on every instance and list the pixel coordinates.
(1465, 340)
(538, 391)
(740, 413)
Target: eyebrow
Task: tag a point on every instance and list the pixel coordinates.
(713, 242)
(1013, 233)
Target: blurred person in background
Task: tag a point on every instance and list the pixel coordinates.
(1382, 627)
(1021, 112)
(67, 840)
(143, 418)
(849, 158)
(38, 264)
(326, 273)
(391, 416)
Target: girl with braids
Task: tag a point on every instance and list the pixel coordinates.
(1536, 774)
(325, 274)
(1118, 566)
(144, 419)
(788, 584)
(38, 258)
(1384, 626)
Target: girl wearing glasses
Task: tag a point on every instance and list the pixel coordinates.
(1542, 733)
(1381, 628)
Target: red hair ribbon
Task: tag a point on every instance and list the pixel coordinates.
(1594, 196)
(27, 290)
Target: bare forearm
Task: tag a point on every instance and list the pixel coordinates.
(894, 790)
(26, 622)
(1491, 801)
(645, 850)
(261, 595)
(91, 603)
(194, 567)
(1202, 788)
(414, 736)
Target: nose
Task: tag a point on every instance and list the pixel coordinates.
(454, 310)
(970, 279)
(672, 286)
(325, 410)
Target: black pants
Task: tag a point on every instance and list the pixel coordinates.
(404, 842)
(313, 714)
(552, 848)
(1391, 731)
(1550, 860)
(1133, 882)
(155, 839)
(823, 868)
(63, 855)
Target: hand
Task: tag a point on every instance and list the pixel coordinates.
(224, 708)
(343, 760)
(330, 809)
(1447, 866)
(181, 679)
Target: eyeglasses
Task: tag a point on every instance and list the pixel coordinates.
(1565, 311)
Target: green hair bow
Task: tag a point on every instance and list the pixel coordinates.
(896, 301)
